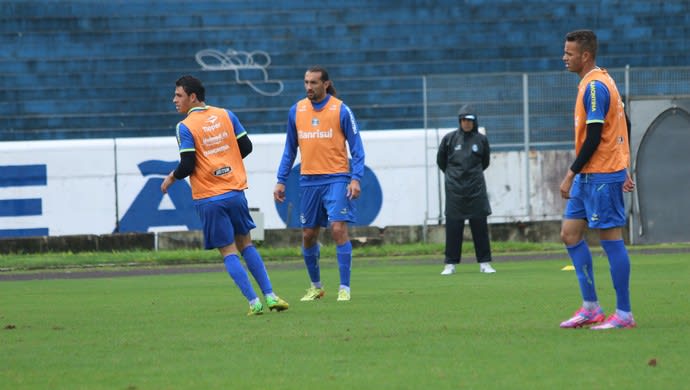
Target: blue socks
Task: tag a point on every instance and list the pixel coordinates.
(239, 276)
(619, 263)
(255, 264)
(344, 255)
(311, 260)
(582, 261)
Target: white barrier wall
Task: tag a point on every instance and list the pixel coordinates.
(78, 190)
(103, 186)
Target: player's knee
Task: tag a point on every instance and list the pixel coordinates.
(242, 241)
(309, 237)
(339, 232)
(569, 237)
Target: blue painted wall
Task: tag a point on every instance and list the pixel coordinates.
(92, 69)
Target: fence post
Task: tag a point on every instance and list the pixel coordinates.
(526, 131)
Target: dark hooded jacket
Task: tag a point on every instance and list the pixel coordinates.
(463, 157)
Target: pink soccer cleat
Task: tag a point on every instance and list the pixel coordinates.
(615, 322)
(584, 317)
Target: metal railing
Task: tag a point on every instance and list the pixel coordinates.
(535, 110)
(528, 111)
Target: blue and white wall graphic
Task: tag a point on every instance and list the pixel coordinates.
(13, 177)
(145, 213)
(57, 187)
(101, 186)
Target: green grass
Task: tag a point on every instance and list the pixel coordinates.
(40, 261)
(406, 328)
(17, 262)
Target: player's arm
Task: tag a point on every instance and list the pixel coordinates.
(354, 140)
(348, 124)
(288, 158)
(596, 100)
(629, 126)
(243, 141)
(245, 145)
(589, 146)
(186, 165)
(629, 184)
(185, 141)
(595, 124)
(290, 150)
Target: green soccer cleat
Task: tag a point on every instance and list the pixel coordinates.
(343, 295)
(313, 294)
(256, 309)
(276, 303)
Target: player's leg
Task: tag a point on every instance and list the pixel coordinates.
(482, 248)
(343, 252)
(219, 233)
(453, 250)
(256, 267)
(572, 234)
(311, 252)
(234, 268)
(311, 215)
(341, 210)
(243, 223)
(611, 210)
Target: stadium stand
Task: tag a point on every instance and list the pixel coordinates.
(94, 69)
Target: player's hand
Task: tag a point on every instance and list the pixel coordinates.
(629, 184)
(353, 189)
(167, 182)
(567, 184)
(279, 192)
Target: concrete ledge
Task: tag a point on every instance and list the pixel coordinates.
(179, 240)
(78, 243)
(125, 241)
(525, 231)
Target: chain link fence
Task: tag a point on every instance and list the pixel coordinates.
(535, 110)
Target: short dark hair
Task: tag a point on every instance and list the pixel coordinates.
(192, 85)
(324, 77)
(586, 39)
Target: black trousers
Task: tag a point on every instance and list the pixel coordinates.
(480, 236)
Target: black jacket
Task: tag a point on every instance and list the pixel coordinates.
(463, 157)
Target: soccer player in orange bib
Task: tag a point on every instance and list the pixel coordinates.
(212, 144)
(322, 126)
(595, 183)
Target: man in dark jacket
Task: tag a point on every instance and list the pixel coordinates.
(463, 156)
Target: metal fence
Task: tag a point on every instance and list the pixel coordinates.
(535, 110)
(528, 111)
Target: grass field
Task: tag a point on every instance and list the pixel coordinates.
(406, 327)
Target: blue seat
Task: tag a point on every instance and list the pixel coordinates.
(92, 69)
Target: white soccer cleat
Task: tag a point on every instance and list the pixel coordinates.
(486, 268)
(449, 269)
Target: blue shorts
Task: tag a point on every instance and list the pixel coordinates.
(224, 218)
(326, 203)
(601, 204)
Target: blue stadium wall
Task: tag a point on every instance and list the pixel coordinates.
(101, 69)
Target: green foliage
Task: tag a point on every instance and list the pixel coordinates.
(406, 327)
